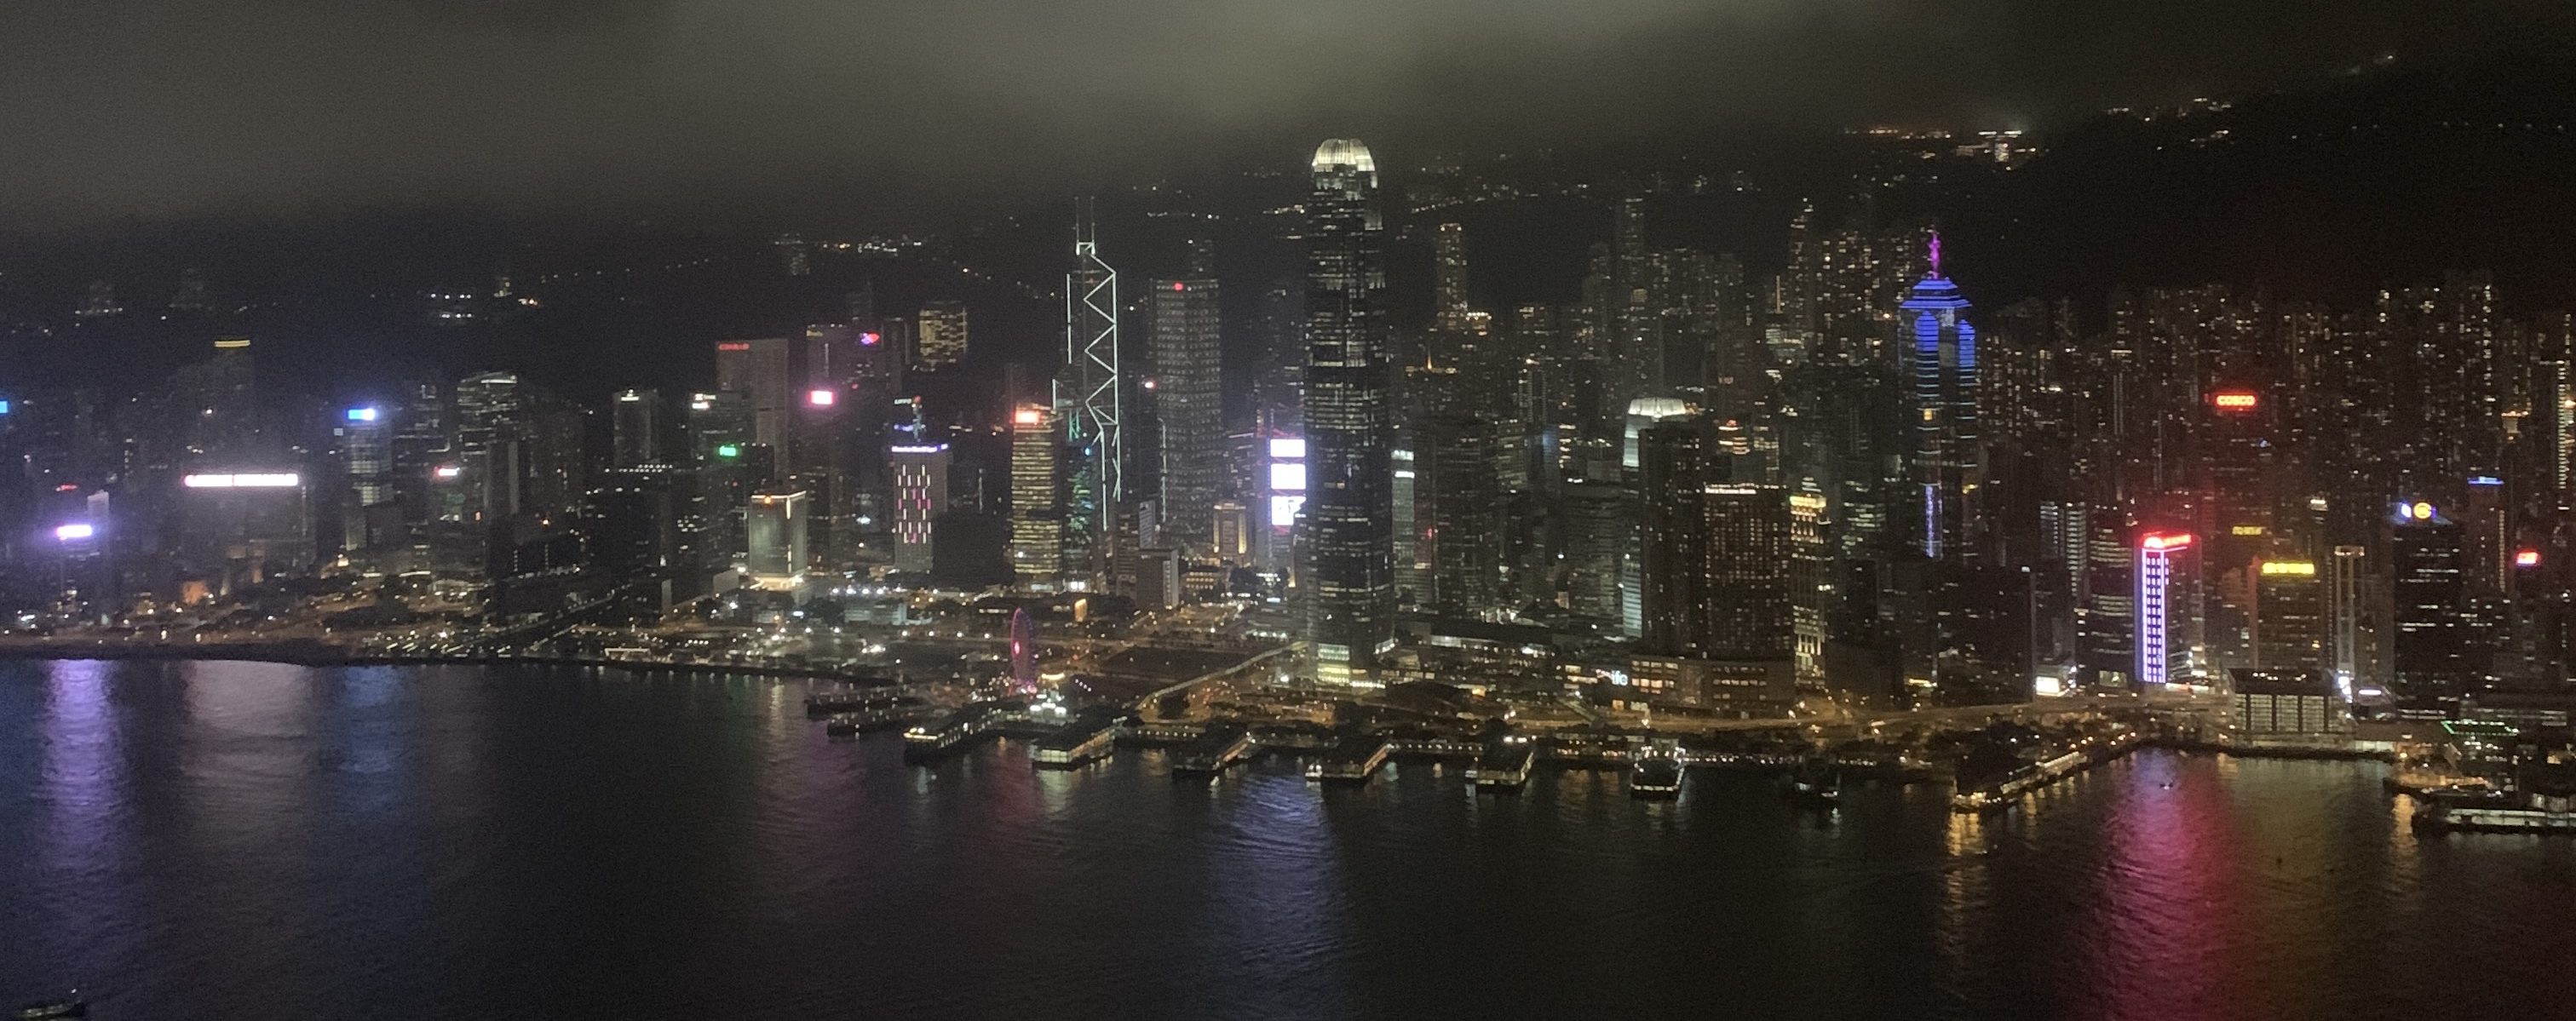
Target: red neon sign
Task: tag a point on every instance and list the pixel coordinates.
(2235, 400)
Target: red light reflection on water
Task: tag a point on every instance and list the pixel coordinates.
(2165, 903)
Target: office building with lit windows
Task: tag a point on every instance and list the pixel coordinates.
(1349, 421)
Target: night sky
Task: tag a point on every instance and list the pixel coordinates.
(117, 109)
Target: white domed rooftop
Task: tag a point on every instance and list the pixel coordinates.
(1344, 152)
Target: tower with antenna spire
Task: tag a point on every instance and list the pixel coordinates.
(1091, 400)
(1949, 457)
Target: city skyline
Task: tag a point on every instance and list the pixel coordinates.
(662, 508)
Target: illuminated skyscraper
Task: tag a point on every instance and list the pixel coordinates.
(940, 334)
(2240, 481)
(1350, 504)
(1037, 501)
(1189, 401)
(366, 448)
(2489, 541)
(1746, 614)
(1091, 395)
(2433, 646)
(2289, 616)
(1811, 589)
(1449, 278)
(920, 497)
(2343, 589)
(1672, 474)
(778, 552)
(1460, 514)
(1949, 459)
(2106, 620)
(2156, 553)
(366, 452)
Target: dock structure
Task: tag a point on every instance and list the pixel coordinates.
(925, 742)
(1213, 751)
(2443, 818)
(1506, 763)
(1088, 736)
(884, 712)
(850, 697)
(2007, 791)
(1354, 760)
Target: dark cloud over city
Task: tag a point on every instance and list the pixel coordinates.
(148, 108)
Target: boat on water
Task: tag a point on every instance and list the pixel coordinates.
(1656, 775)
(1816, 782)
(1505, 764)
(69, 1005)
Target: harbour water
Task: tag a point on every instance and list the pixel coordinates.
(238, 840)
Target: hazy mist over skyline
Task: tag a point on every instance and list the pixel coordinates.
(291, 109)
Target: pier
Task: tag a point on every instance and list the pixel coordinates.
(1088, 736)
(927, 741)
(1354, 760)
(1505, 764)
(2003, 792)
(1213, 752)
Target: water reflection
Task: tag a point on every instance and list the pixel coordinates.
(230, 840)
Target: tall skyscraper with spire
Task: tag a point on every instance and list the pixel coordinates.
(1091, 399)
(1949, 458)
(1349, 507)
(1188, 390)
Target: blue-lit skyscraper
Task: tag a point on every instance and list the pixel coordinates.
(1350, 506)
(1949, 463)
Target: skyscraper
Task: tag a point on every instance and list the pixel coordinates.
(1460, 514)
(2156, 553)
(2434, 667)
(920, 497)
(1746, 614)
(366, 452)
(1672, 476)
(757, 369)
(636, 431)
(1449, 278)
(1350, 501)
(2107, 620)
(1811, 570)
(2289, 616)
(2343, 614)
(1949, 461)
(778, 551)
(940, 334)
(1091, 397)
(1189, 400)
(1037, 501)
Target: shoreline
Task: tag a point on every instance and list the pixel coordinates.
(319, 655)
